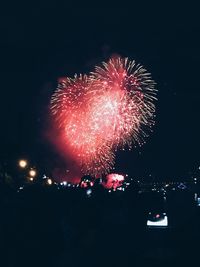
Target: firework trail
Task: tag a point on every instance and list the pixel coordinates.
(105, 111)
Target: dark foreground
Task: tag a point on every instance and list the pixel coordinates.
(49, 227)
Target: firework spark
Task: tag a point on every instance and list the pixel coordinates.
(134, 107)
(107, 110)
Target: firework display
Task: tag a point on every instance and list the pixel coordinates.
(109, 109)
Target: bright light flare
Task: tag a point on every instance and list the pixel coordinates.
(49, 181)
(23, 163)
(32, 173)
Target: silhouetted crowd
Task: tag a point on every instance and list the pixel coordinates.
(47, 226)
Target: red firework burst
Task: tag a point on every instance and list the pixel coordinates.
(104, 111)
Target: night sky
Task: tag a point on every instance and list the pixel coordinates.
(41, 43)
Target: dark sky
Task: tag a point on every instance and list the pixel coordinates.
(40, 43)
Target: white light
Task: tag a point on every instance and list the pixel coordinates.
(64, 183)
(49, 181)
(89, 192)
(162, 223)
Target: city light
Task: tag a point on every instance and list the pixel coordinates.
(89, 192)
(32, 173)
(198, 201)
(49, 181)
(22, 163)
